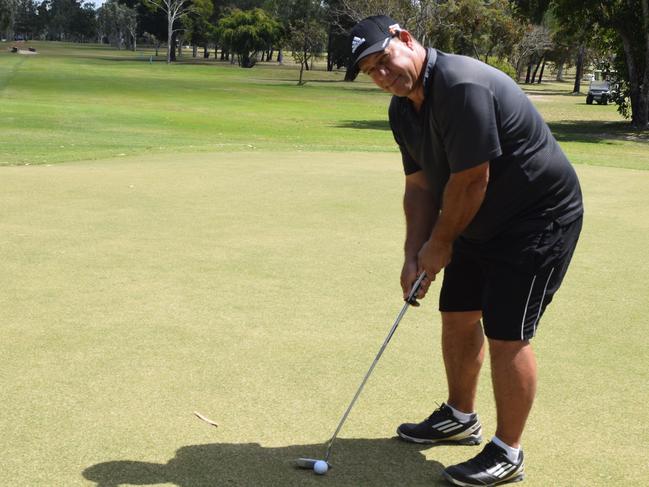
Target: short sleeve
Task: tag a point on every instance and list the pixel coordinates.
(410, 166)
(469, 126)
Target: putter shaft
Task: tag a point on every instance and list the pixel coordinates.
(410, 300)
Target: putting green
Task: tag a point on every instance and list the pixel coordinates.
(256, 288)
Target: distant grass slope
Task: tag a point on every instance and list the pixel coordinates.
(76, 102)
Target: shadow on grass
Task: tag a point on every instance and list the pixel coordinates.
(531, 91)
(596, 132)
(376, 462)
(364, 124)
(309, 80)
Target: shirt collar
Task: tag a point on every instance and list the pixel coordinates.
(431, 60)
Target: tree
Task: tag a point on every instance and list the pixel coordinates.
(197, 26)
(175, 11)
(7, 13)
(83, 25)
(475, 28)
(478, 28)
(67, 20)
(627, 21)
(152, 24)
(339, 25)
(531, 49)
(28, 23)
(307, 40)
(115, 22)
(247, 33)
(306, 31)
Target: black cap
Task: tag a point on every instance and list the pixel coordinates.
(371, 35)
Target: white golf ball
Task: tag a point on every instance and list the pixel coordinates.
(320, 467)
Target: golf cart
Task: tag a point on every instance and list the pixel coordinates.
(600, 91)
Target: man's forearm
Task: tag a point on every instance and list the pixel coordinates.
(421, 213)
(462, 200)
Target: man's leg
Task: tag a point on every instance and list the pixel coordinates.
(463, 351)
(513, 373)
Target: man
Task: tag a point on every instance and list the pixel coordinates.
(491, 199)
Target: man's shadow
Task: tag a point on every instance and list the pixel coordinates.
(355, 462)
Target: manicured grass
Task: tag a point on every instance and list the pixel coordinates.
(257, 288)
(68, 105)
(85, 102)
(164, 265)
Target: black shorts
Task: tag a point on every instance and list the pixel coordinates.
(511, 278)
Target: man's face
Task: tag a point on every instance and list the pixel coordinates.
(392, 69)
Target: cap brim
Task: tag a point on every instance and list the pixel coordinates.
(374, 48)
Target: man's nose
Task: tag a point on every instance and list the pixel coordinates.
(380, 72)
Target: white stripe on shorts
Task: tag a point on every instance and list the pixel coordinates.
(525, 312)
(536, 321)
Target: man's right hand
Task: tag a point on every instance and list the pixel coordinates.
(409, 277)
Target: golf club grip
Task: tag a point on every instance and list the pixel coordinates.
(415, 288)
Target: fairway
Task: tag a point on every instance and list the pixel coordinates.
(87, 102)
(198, 237)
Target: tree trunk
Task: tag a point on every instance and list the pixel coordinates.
(172, 48)
(643, 121)
(560, 66)
(580, 69)
(171, 56)
(541, 73)
(529, 72)
(280, 57)
(206, 52)
(330, 64)
(194, 50)
(536, 70)
(519, 67)
(301, 73)
(639, 103)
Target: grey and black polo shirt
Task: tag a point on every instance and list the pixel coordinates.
(474, 113)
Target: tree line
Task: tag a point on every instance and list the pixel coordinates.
(520, 37)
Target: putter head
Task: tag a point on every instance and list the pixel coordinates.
(307, 463)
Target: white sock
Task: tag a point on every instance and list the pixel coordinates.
(512, 453)
(461, 416)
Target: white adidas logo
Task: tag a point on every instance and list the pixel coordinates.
(356, 42)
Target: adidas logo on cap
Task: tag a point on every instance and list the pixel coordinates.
(356, 42)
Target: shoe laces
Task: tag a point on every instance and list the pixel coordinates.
(488, 456)
(439, 409)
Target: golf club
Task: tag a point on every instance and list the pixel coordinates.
(321, 466)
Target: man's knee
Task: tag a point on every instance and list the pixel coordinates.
(461, 320)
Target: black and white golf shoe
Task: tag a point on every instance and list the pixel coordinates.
(443, 427)
(489, 467)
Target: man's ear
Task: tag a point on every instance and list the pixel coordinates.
(405, 37)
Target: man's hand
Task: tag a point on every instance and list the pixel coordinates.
(433, 257)
(409, 276)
